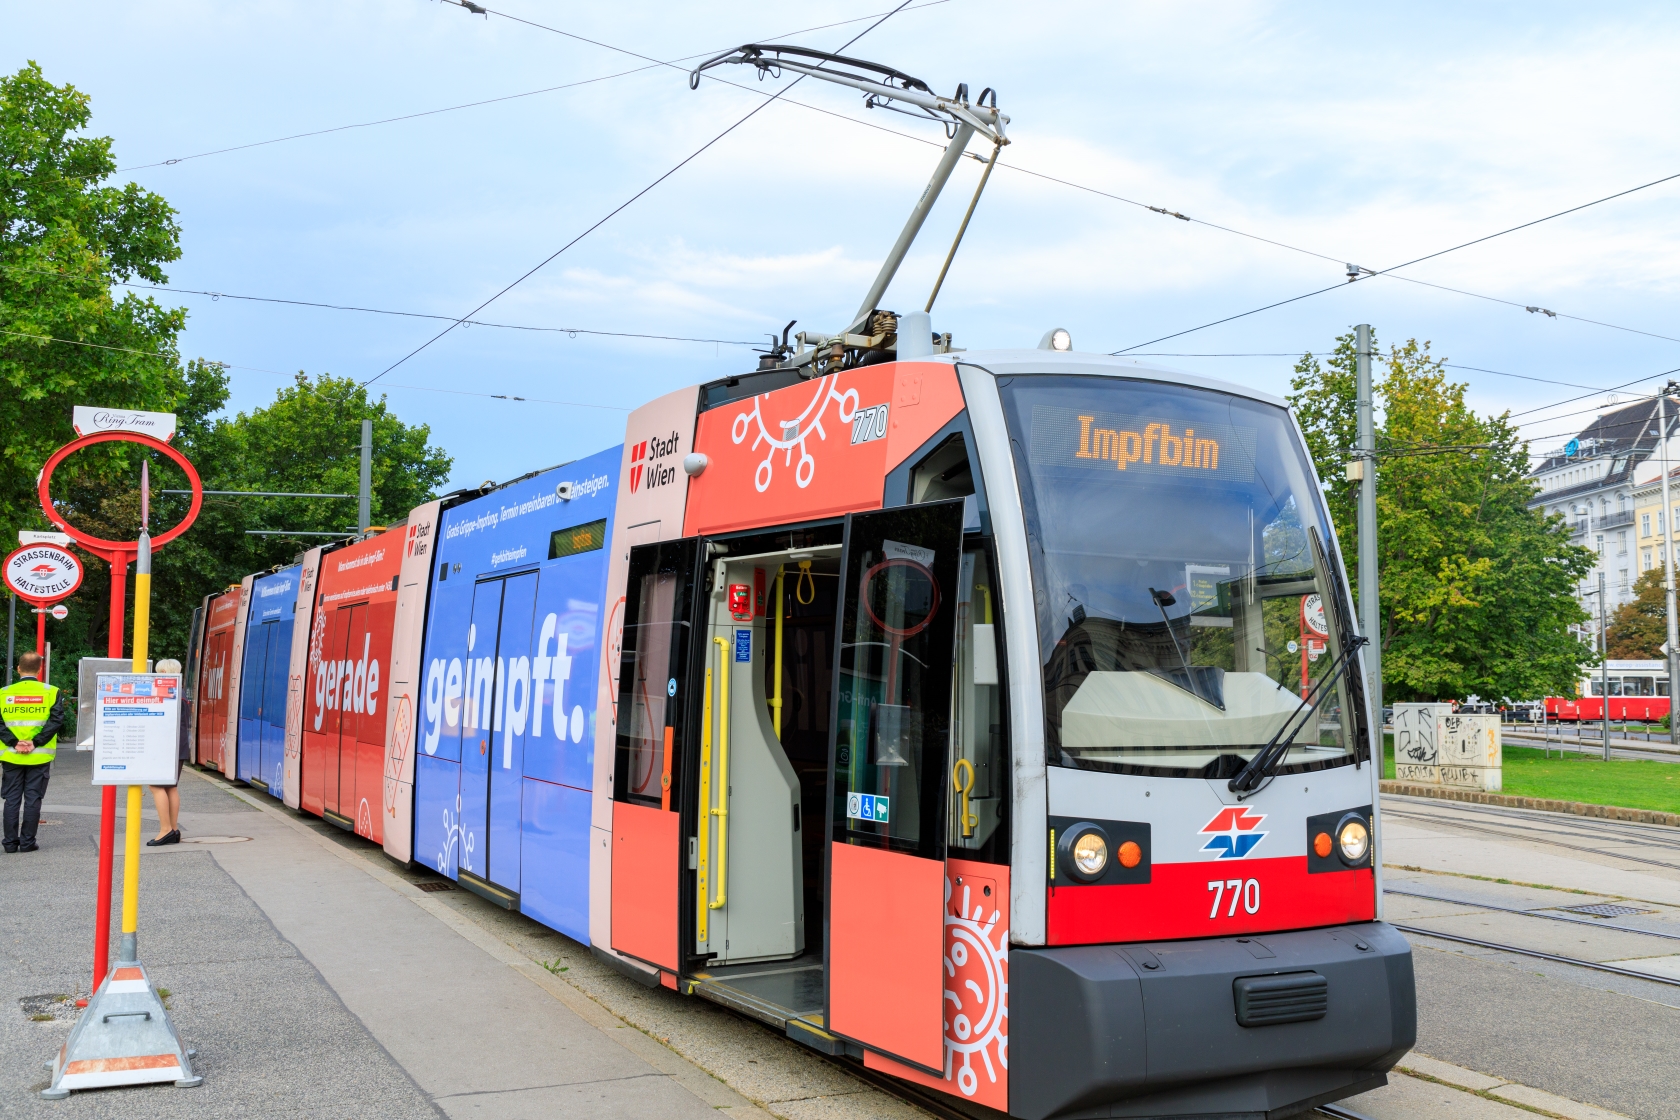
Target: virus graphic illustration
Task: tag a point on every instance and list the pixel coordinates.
(794, 433)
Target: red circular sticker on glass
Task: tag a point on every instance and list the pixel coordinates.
(43, 573)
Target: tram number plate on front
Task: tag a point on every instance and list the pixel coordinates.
(1243, 892)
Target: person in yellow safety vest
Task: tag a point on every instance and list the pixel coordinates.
(31, 716)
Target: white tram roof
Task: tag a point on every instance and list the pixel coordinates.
(1012, 362)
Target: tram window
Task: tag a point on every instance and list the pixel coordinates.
(1183, 610)
(897, 627)
(944, 473)
(978, 791)
(653, 683)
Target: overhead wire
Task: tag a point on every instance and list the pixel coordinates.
(621, 207)
(770, 97)
(653, 63)
(174, 358)
(424, 315)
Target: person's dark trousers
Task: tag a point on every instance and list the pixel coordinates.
(26, 785)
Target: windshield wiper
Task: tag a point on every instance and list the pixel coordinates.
(1267, 759)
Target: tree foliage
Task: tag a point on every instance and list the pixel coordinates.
(1476, 588)
(1639, 628)
(65, 242)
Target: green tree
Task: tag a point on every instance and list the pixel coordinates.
(1639, 628)
(64, 242)
(1476, 589)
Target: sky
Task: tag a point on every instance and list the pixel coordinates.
(1368, 134)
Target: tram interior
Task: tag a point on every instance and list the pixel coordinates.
(790, 981)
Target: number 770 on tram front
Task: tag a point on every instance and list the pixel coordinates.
(964, 720)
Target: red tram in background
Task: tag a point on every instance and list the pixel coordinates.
(1638, 693)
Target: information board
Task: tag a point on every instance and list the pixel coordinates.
(136, 740)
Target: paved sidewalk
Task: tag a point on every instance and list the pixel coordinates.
(308, 986)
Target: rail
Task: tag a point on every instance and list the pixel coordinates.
(722, 776)
(703, 843)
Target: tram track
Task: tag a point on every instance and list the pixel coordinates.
(1594, 923)
(1555, 958)
(1545, 836)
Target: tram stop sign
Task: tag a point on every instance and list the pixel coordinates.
(43, 573)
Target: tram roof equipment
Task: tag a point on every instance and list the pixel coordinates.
(882, 86)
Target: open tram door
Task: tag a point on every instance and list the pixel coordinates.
(891, 734)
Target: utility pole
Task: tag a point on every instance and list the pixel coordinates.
(1665, 520)
(364, 502)
(1604, 666)
(1370, 612)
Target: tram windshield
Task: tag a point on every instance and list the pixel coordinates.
(1187, 595)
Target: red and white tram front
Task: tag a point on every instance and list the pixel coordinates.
(1196, 926)
(984, 717)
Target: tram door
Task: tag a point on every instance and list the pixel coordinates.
(499, 696)
(335, 651)
(350, 623)
(899, 597)
(656, 700)
(250, 764)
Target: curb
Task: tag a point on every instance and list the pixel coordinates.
(1576, 808)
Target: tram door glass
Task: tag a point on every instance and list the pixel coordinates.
(652, 680)
(900, 591)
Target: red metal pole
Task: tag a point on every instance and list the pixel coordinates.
(108, 794)
(41, 636)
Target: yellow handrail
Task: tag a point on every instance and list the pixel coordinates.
(962, 780)
(704, 865)
(723, 776)
(776, 700)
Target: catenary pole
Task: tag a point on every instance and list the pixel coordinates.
(1604, 666)
(364, 497)
(1665, 520)
(1370, 617)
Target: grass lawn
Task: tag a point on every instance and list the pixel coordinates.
(1633, 784)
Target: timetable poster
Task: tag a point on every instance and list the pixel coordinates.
(135, 740)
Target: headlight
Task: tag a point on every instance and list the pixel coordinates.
(1353, 837)
(1082, 852)
(1090, 854)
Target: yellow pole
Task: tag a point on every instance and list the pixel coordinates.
(129, 950)
(722, 780)
(776, 702)
(704, 847)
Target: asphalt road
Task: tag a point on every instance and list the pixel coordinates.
(1596, 1038)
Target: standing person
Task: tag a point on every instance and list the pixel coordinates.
(31, 716)
(168, 798)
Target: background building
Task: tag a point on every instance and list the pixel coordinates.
(1603, 481)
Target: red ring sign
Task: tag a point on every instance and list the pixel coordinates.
(98, 545)
(43, 573)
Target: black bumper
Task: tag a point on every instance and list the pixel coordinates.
(1150, 1030)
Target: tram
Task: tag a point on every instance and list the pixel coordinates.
(936, 707)
(1638, 692)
